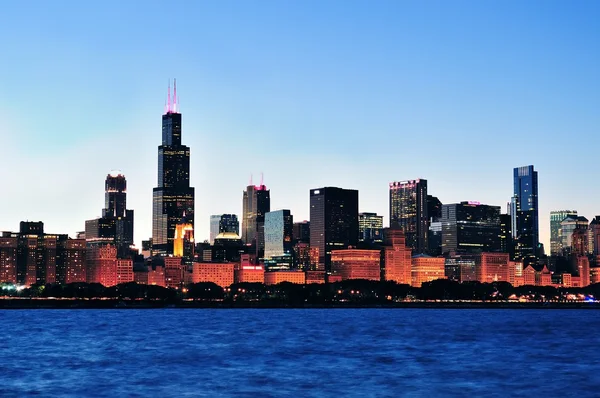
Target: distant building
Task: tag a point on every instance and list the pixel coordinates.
(305, 257)
(434, 208)
(183, 241)
(409, 208)
(397, 257)
(524, 211)
(248, 273)
(291, 276)
(492, 267)
(8, 259)
(102, 265)
(556, 217)
(460, 269)
(506, 241)
(218, 273)
(594, 228)
(356, 264)
(426, 269)
(301, 232)
(470, 227)
(279, 248)
(228, 247)
(583, 268)
(173, 272)
(333, 221)
(256, 203)
(568, 227)
(370, 228)
(223, 223)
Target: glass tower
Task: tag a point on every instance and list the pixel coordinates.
(408, 207)
(524, 212)
(173, 198)
(256, 203)
(556, 217)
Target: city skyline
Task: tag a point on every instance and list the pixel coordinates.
(492, 113)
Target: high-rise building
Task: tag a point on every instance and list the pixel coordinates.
(278, 239)
(524, 212)
(568, 227)
(333, 221)
(256, 203)
(408, 207)
(595, 236)
(301, 232)
(173, 197)
(223, 223)
(397, 257)
(506, 241)
(426, 269)
(115, 227)
(356, 264)
(434, 208)
(470, 227)
(370, 228)
(556, 217)
(8, 259)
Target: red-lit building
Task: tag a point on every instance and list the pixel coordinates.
(426, 269)
(173, 272)
(125, 271)
(101, 264)
(292, 276)
(8, 260)
(221, 274)
(583, 265)
(594, 275)
(539, 275)
(397, 257)
(314, 277)
(356, 264)
(73, 267)
(250, 274)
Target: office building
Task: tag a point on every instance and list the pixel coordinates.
(356, 264)
(301, 232)
(173, 197)
(506, 241)
(333, 221)
(409, 208)
(370, 228)
(101, 262)
(290, 276)
(279, 247)
(256, 203)
(223, 223)
(434, 208)
(556, 217)
(115, 227)
(218, 273)
(426, 269)
(570, 227)
(524, 212)
(594, 234)
(470, 227)
(397, 257)
(8, 259)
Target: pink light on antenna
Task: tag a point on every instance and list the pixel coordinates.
(174, 95)
(169, 98)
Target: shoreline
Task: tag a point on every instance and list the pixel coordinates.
(22, 304)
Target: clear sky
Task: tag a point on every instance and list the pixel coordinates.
(311, 93)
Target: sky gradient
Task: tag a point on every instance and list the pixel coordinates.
(337, 93)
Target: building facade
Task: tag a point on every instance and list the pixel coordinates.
(333, 221)
(370, 228)
(524, 212)
(556, 217)
(470, 227)
(397, 257)
(279, 247)
(409, 208)
(426, 269)
(173, 198)
(356, 264)
(223, 223)
(256, 203)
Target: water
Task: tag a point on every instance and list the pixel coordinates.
(303, 353)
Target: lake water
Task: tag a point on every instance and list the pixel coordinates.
(300, 353)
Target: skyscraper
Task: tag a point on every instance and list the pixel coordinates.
(173, 197)
(278, 239)
(524, 212)
(256, 203)
(556, 217)
(408, 207)
(470, 227)
(333, 221)
(223, 223)
(370, 228)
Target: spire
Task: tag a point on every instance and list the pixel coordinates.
(261, 179)
(250, 179)
(169, 98)
(174, 95)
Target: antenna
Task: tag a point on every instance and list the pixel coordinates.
(250, 179)
(169, 98)
(175, 95)
(261, 179)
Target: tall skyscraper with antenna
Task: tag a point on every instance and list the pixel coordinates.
(256, 203)
(173, 198)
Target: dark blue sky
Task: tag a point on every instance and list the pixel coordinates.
(351, 94)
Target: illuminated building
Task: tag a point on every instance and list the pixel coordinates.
(115, 227)
(250, 274)
(397, 257)
(356, 264)
(291, 276)
(8, 259)
(125, 271)
(228, 247)
(506, 242)
(524, 212)
(470, 227)
(151, 273)
(305, 257)
(183, 243)
(492, 267)
(595, 236)
(583, 267)
(594, 275)
(370, 228)
(101, 264)
(72, 268)
(301, 232)
(278, 239)
(408, 207)
(223, 223)
(314, 277)
(333, 221)
(173, 271)
(256, 203)
(537, 275)
(173, 198)
(219, 273)
(556, 217)
(426, 269)
(574, 235)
